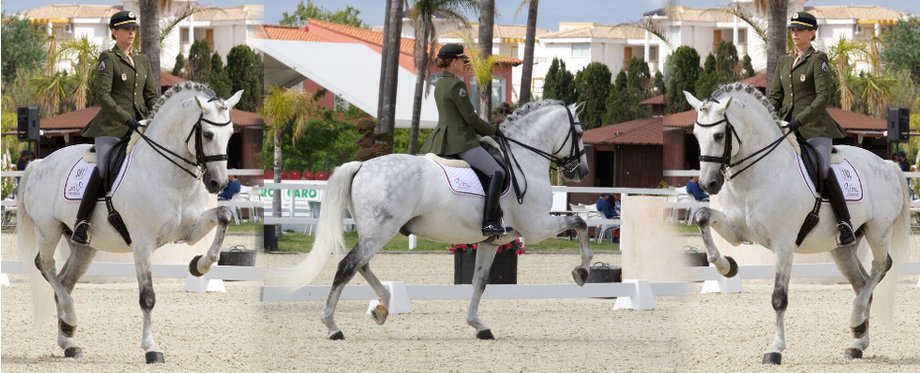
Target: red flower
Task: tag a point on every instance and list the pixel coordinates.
(516, 246)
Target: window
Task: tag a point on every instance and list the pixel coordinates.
(742, 36)
(498, 93)
(581, 49)
(653, 54)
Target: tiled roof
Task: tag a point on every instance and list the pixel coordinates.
(623, 31)
(169, 80)
(298, 33)
(654, 100)
(645, 131)
(80, 118)
(849, 120)
(237, 13)
(66, 11)
(684, 13)
(869, 12)
(506, 31)
(759, 81)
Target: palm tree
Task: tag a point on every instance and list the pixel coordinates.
(839, 55)
(422, 17)
(282, 109)
(480, 65)
(51, 87)
(389, 73)
(84, 53)
(486, 27)
(150, 32)
(529, 41)
(776, 11)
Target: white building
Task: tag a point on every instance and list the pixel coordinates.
(223, 28)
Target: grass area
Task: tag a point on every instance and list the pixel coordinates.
(296, 242)
(245, 227)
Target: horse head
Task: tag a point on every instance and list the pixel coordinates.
(208, 139)
(575, 161)
(733, 117)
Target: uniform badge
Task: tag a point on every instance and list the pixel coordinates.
(824, 66)
(462, 92)
(101, 65)
(131, 14)
(124, 77)
(802, 78)
(795, 15)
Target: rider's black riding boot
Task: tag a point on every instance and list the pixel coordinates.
(81, 230)
(491, 225)
(835, 195)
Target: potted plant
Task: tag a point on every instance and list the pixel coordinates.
(504, 267)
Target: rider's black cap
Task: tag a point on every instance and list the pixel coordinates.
(452, 50)
(123, 19)
(803, 21)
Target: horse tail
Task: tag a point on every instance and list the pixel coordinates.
(42, 294)
(329, 235)
(897, 250)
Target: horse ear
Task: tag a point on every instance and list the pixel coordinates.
(202, 104)
(693, 101)
(233, 100)
(724, 105)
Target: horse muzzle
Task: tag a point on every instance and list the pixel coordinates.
(712, 185)
(214, 184)
(577, 174)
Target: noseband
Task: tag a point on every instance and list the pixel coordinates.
(201, 160)
(568, 164)
(725, 161)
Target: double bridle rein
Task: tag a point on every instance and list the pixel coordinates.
(568, 164)
(725, 160)
(201, 159)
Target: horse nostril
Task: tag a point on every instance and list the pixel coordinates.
(710, 186)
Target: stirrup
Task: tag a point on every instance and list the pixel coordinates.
(494, 229)
(86, 228)
(845, 234)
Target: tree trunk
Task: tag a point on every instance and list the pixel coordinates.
(150, 36)
(530, 38)
(776, 34)
(486, 26)
(383, 64)
(386, 121)
(276, 193)
(419, 90)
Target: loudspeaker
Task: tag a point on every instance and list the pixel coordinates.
(28, 123)
(898, 124)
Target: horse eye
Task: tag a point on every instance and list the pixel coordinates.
(719, 136)
(208, 135)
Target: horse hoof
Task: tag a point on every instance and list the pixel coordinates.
(337, 336)
(580, 275)
(380, 314)
(773, 358)
(853, 353)
(193, 267)
(154, 357)
(732, 268)
(74, 352)
(485, 334)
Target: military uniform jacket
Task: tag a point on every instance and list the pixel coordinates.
(458, 123)
(803, 91)
(124, 91)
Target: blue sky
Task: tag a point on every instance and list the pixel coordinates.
(551, 11)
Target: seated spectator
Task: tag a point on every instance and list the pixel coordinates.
(232, 188)
(693, 188)
(901, 158)
(605, 205)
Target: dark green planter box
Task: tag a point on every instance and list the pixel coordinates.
(504, 267)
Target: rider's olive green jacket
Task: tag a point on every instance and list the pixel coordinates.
(458, 123)
(123, 90)
(803, 91)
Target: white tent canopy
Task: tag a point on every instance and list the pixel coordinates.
(349, 70)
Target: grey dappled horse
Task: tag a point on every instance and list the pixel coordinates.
(406, 193)
(162, 198)
(763, 198)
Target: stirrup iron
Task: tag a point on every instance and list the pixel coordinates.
(843, 228)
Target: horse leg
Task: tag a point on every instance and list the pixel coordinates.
(380, 312)
(219, 216)
(780, 300)
(705, 218)
(67, 318)
(485, 254)
(853, 270)
(77, 265)
(358, 257)
(859, 320)
(557, 224)
(147, 300)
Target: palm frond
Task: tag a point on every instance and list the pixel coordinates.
(653, 28)
(759, 27)
(185, 13)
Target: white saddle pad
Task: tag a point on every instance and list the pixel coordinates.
(847, 177)
(463, 180)
(79, 175)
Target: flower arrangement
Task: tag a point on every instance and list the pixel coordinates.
(516, 246)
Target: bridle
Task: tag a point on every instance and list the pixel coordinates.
(201, 160)
(568, 164)
(725, 160)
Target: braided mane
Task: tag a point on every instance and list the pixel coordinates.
(753, 91)
(176, 89)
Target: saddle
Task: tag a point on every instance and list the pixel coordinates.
(490, 146)
(809, 157)
(116, 156)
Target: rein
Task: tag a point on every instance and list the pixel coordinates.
(200, 158)
(568, 164)
(725, 159)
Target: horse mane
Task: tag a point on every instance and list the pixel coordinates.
(175, 90)
(529, 107)
(751, 90)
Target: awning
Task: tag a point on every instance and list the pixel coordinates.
(349, 70)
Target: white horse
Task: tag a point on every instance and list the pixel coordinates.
(409, 194)
(747, 161)
(162, 198)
